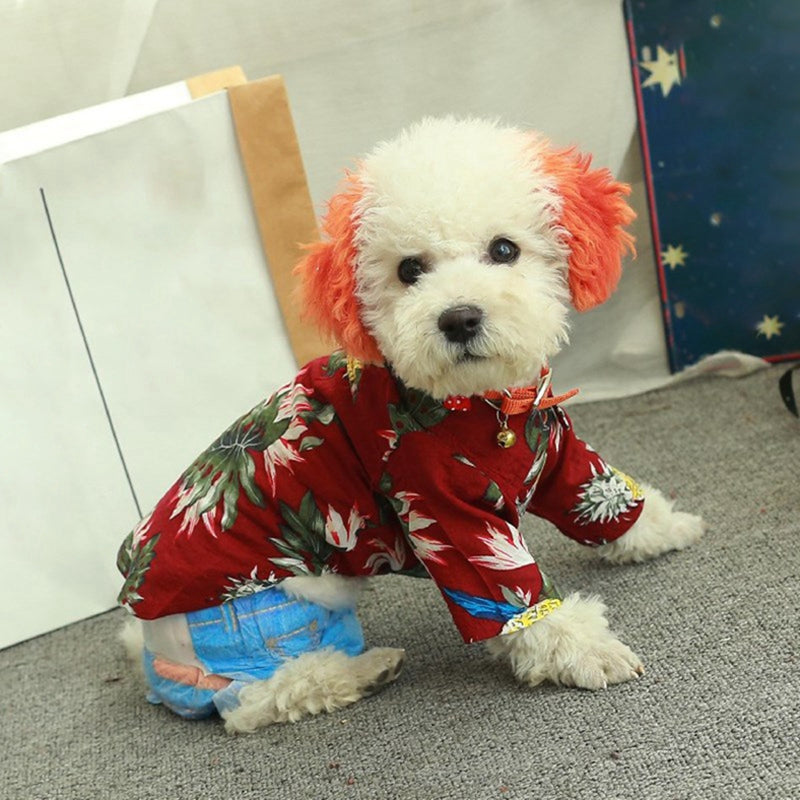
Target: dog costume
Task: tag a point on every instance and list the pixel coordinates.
(346, 470)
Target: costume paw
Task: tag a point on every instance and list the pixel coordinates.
(658, 530)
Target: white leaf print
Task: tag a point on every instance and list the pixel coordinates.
(340, 535)
(607, 495)
(280, 453)
(391, 440)
(141, 530)
(508, 552)
(294, 565)
(427, 548)
(295, 401)
(405, 499)
(243, 587)
(191, 513)
(416, 522)
(393, 557)
(355, 522)
(525, 596)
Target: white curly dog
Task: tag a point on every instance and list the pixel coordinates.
(494, 223)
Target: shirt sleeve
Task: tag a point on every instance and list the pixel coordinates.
(476, 556)
(585, 498)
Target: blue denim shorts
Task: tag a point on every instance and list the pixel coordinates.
(242, 641)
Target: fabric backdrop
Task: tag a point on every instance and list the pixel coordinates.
(356, 72)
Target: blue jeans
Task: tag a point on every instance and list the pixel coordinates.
(242, 641)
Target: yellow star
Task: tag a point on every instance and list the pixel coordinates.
(674, 256)
(664, 71)
(769, 327)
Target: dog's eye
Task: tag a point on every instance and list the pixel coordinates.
(409, 270)
(503, 251)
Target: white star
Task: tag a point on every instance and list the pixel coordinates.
(769, 327)
(674, 256)
(664, 71)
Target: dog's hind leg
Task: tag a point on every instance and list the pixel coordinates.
(323, 680)
(131, 636)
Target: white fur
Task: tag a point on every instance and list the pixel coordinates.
(132, 638)
(324, 680)
(658, 530)
(329, 591)
(571, 646)
(472, 182)
(441, 192)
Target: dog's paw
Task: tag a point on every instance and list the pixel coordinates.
(658, 530)
(571, 646)
(312, 683)
(377, 668)
(599, 666)
(685, 529)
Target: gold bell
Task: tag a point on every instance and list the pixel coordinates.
(506, 438)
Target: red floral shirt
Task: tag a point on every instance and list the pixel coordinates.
(346, 470)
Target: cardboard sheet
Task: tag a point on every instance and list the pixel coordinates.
(217, 81)
(62, 488)
(282, 204)
(56, 131)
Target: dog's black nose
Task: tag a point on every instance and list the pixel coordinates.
(461, 323)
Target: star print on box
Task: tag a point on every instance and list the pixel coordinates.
(674, 256)
(769, 327)
(718, 94)
(664, 70)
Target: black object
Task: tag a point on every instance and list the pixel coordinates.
(787, 390)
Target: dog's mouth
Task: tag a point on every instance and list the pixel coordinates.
(466, 356)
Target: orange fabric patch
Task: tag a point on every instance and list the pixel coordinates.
(188, 676)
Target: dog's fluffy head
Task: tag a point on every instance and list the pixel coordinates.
(454, 251)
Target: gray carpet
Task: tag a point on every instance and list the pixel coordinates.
(715, 716)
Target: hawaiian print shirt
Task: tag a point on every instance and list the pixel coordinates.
(346, 470)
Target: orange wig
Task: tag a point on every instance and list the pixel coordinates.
(593, 217)
(328, 281)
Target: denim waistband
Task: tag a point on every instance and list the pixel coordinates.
(250, 637)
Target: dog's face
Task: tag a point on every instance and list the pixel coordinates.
(452, 249)
(460, 275)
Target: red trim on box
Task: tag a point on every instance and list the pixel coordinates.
(651, 197)
(784, 357)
